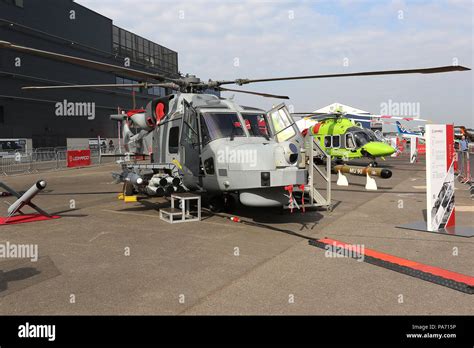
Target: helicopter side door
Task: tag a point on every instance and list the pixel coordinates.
(283, 126)
(190, 154)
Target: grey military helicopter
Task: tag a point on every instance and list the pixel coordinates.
(204, 143)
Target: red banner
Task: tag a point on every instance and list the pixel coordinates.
(401, 144)
(421, 148)
(78, 158)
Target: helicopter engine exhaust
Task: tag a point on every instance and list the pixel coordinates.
(383, 173)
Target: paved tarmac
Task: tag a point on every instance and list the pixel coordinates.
(104, 256)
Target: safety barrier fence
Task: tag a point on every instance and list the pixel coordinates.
(44, 159)
(464, 166)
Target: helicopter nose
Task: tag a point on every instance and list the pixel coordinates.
(379, 149)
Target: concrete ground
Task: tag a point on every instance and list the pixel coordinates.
(110, 257)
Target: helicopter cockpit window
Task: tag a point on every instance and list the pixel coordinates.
(371, 134)
(378, 135)
(221, 125)
(362, 138)
(206, 138)
(256, 125)
(173, 140)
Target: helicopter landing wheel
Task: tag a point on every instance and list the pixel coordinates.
(229, 203)
(217, 204)
(128, 189)
(223, 203)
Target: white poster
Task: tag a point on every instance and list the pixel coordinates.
(439, 176)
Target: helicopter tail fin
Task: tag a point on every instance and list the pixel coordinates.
(401, 129)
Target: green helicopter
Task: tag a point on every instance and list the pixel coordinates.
(345, 139)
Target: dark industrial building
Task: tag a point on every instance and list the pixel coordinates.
(66, 27)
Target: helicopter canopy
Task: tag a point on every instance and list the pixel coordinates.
(218, 125)
(362, 136)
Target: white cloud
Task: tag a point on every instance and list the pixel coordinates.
(269, 43)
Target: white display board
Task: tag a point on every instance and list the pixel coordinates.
(439, 176)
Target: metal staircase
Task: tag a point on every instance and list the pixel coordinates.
(313, 150)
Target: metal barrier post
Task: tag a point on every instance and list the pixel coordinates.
(100, 150)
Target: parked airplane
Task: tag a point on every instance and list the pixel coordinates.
(408, 133)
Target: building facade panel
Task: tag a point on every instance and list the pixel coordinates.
(48, 25)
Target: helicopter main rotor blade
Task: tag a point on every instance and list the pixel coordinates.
(319, 116)
(113, 85)
(267, 95)
(386, 118)
(86, 62)
(435, 70)
(308, 114)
